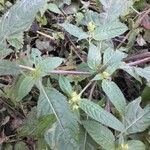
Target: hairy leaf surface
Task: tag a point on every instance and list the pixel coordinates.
(51, 101)
(101, 134)
(115, 95)
(137, 119)
(100, 115)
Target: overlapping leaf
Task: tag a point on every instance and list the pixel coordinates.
(59, 140)
(51, 101)
(19, 18)
(115, 95)
(100, 115)
(114, 8)
(48, 64)
(9, 68)
(135, 144)
(94, 57)
(112, 60)
(34, 126)
(143, 72)
(137, 119)
(102, 135)
(110, 30)
(65, 85)
(75, 31)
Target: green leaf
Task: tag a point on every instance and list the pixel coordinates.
(9, 68)
(4, 50)
(130, 70)
(49, 64)
(51, 101)
(86, 141)
(16, 40)
(136, 118)
(94, 57)
(112, 60)
(16, 19)
(146, 94)
(135, 144)
(20, 145)
(100, 115)
(92, 16)
(54, 8)
(34, 126)
(20, 88)
(42, 144)
(109, 30)
(144, 72)
(24, 86)
(75, 31)
(59, 140)
(115, 95)
(36, 56)
(65, 85)
(101, 134)
(112, 56)
(114, 8)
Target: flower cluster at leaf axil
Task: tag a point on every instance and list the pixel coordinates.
(74, 100)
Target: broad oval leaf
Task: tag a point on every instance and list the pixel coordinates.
(48, 64)
(135, 144)
(65, 85)
(100, 115)
(130, 70)
(20, 145)
(24, 86)
(143, 72)
(110, 30)
(21, 88)
(115, 95)
(114, 8)
(101, 134)
(4, 50)
(9, 68)
(51, 101)
(94, 57)
(34, 126)
(112, 59)
(16, 19)
(54, 8)
(59, 140)
(75, 31)
(136, 118)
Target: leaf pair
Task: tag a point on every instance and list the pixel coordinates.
(101, 33)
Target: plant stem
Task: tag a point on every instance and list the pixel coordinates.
(139, 62)
(74, 72)
(85, 88)
(92, 90)
(135, 10)
(26, 67)
(75, 49)
(65, 72)
(138, 56)
(142, 16)
(46, 35)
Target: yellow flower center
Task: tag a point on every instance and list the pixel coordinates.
(74, 100)
(124, 146)
(91, 26)
(105, 75)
